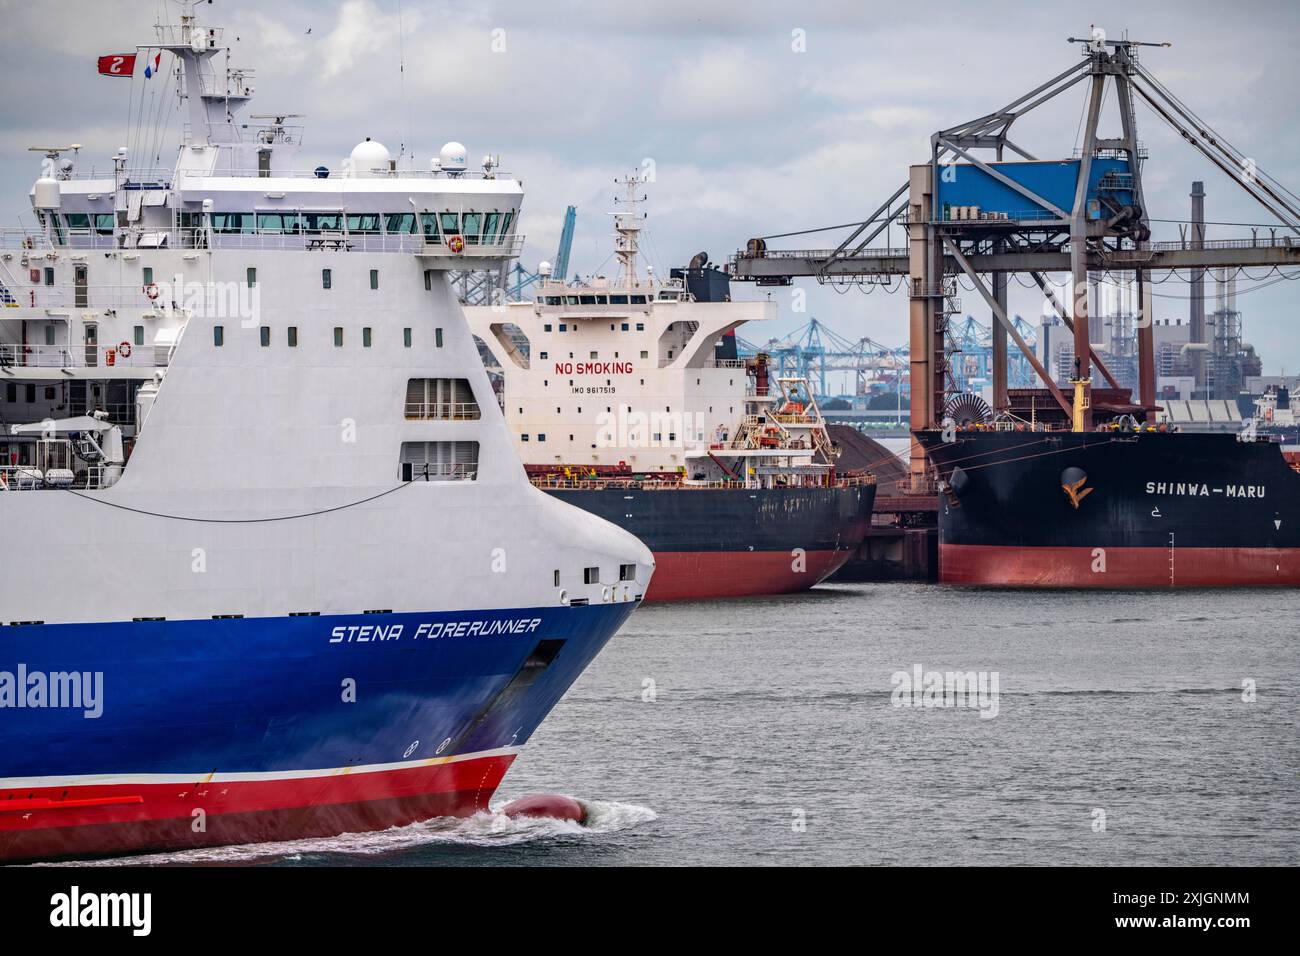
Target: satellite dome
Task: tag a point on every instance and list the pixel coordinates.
(452, 157)
(543, 268)
(45, 194)
(369, 159)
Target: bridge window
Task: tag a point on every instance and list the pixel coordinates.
(440, 399)
(472, 223)
(400, 223)
(490, 222)
(429, 222)
(364, 223)
(316, 222)
(439, 461)
(278, 223)
(228, 222)
(450, 223)
(104, 223)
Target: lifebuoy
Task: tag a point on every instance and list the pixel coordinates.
(455, 243)
(151, 290)
(124, 349)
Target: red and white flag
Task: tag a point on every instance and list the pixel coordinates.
(117, 64)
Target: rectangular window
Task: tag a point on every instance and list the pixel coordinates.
(326, 279)
(147, 275)
(399, 223)
(557, 577)
(523, 437)
(627, 572)
(440, 399)
(428, 280)
(49, 335)
(541, 436)
(543, 356)
(49, 275)
(439, 461)
(591, 575)
(252, 277)
(406, 338)
(366, 339)
(546, 327)
(139, 335)
(437, 337)
(640, 326)
(218, 335)
(338, 336)
(265, 336)
(374, 278)
(11, 392)
(293, 336)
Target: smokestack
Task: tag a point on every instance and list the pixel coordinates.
(1197, 317)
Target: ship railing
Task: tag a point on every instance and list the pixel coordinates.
(442, 411)
(20, 238)
(444, 471)
(31, 478)
(144, 237)
(68, 295)
(471, 247)
(73, 356)
(881, 253)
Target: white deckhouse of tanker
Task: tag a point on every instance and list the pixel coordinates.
(627, 374)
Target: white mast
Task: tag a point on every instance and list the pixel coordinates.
(627, 225)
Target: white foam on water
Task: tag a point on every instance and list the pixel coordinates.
(486, 829)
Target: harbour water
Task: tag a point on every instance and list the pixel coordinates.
(766, 732)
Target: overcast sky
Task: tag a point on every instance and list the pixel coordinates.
(748, 134)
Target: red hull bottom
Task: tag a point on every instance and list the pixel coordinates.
(49, 823)
(700, 575)
(1004, 566)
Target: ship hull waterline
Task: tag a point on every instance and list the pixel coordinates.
(726, 543)
(271, 729)
(1115, 510)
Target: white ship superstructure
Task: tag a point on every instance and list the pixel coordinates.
(239, 394)
(628, 374)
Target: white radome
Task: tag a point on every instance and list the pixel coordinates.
(452, 157)
(369, 159)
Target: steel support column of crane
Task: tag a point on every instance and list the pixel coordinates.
(927, 319)
(1079, 251)
(998, 339)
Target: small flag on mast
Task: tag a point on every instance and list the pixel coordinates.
(117, 64)
(151, 69)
